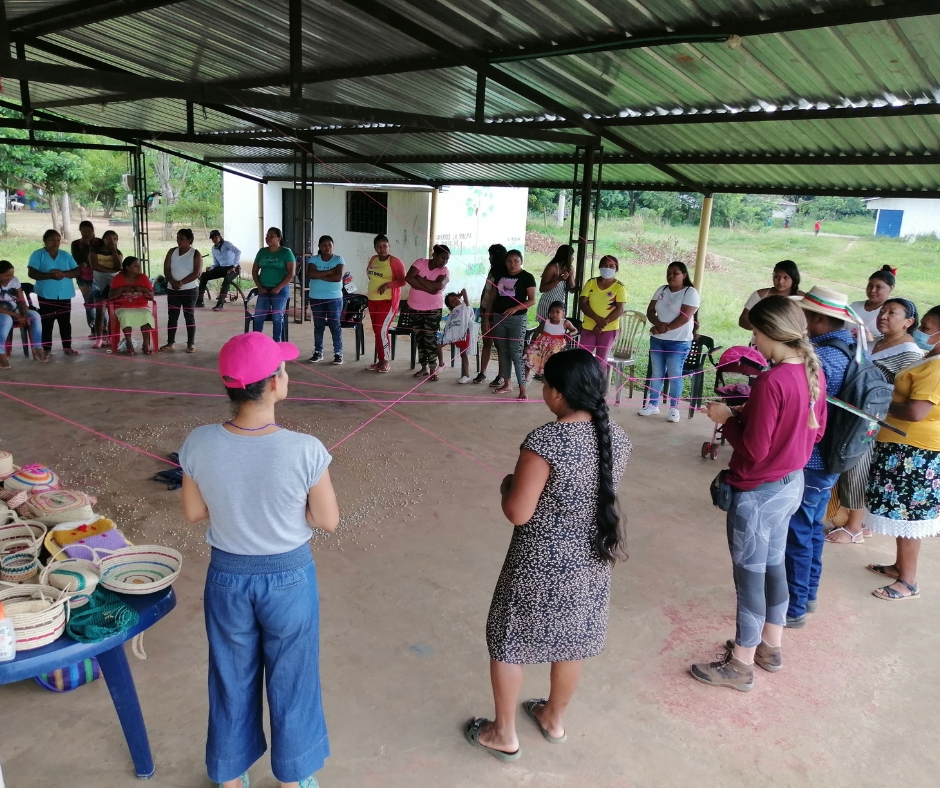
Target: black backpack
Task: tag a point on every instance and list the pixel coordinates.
(848, 437)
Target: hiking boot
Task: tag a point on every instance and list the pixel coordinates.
(728, 671)
(796, 622)
(812, 606)
(766, 657)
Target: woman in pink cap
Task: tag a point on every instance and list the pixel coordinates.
(261, 604)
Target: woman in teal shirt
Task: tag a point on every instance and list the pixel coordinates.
(273, 271)
(54, 271)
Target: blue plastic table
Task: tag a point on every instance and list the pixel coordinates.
(114, 668)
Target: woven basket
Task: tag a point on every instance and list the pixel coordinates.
(19, 562)
(18, 529)
(139, 570)
(40, 628)
(78, 577)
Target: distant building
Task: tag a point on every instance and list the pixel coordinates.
(467, 219)
(783, 209)
(905, 217)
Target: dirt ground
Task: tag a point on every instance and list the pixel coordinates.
(405, 586)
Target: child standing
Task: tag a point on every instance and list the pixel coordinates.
(460, 330)
(547, 340)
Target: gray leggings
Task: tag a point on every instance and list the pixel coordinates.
(757, 538)
(509, 334)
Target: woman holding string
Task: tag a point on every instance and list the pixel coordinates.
(773, 436)
(557, 281)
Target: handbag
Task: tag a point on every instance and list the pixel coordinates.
(721, 491)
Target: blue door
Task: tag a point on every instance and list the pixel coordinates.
(889, 223)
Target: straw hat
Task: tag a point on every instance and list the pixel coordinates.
(828, 302)
(7, 468)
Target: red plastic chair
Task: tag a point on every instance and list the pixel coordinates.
(115, 328)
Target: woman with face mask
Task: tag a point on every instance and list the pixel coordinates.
(903, 497)
(603, 299)
(671, 314)
(880, 286)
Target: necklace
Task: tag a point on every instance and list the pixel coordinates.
(253, 429)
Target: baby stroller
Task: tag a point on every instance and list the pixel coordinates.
(740, 361)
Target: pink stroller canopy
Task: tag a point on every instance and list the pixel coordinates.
(742, 360)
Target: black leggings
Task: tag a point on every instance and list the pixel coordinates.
(52, 311)
(184, 300)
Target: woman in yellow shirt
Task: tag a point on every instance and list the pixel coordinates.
(904, 485)
(602, 302)
(386, 278)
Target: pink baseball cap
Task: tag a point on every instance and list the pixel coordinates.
(248, 358)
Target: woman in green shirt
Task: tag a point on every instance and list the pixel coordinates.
(273, 271)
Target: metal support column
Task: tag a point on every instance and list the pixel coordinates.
(303, 185)
(137, 167)
(702, 250)
(588, 193)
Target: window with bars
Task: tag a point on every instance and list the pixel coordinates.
(367, 212)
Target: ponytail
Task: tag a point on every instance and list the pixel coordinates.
(811, 365)
(609, 538)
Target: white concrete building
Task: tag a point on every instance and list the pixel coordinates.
(905, 217)
(467, 219)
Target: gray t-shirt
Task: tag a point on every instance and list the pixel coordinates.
(257, 507)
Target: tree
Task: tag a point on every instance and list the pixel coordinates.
(732, 209)
(200, 203)
(102, 184)
(171, 173)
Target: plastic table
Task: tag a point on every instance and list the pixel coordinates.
(117, 673)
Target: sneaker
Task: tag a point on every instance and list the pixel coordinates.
(766, 657)
(728, 671)
(99, 343)
(673, 416)
(337, 359)
(218, 307)
(316, 357)
(375, 367)
(480, 378)
(812, 606)
(796, 622)
(497, 382)
(465, 379)
(649, 410)
(200, 303)
(310, 782)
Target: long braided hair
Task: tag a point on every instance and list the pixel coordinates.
(781, 319)
(576, 375)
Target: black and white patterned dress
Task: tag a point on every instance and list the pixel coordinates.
(552, 598)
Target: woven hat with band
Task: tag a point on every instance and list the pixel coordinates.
(7, 468)
(828, 302)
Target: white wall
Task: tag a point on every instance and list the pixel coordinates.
(469, 220)
(921, 217)
(241, 212)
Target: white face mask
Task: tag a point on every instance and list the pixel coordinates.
(607, 273)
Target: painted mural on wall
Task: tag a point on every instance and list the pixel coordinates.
(469, 219)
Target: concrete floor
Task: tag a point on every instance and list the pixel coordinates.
(405, 586)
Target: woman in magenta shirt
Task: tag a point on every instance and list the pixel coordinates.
(427, 278)
(773, 436)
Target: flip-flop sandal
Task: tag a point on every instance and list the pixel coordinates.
(5, 364)
(890, 594)
(420, 374)
(853, 538)
(70, 352)
(471, 732)
(433, 378)
(882, 569)
(528, 707)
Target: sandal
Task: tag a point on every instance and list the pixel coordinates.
(421, 373)
(471, 732)
(890, 594)
(503, 390)
(384, 366)
(168, 348)
(883, 569)
(244, 779)
(853, 538)
(528, 707)
(4, 364)
(70, 351)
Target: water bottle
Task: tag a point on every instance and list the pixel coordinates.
(7, 637)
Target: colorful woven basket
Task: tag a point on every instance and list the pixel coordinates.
(77, 576)
(34, 478)
(19, 563)
(139, 570)
(72, 677)
(16, 529)
(39, 614)
(53, 507)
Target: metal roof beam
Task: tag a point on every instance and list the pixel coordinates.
(147, 87)
(26, 142)
(403, 24)
(79, 13)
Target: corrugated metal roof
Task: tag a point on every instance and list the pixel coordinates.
(198, 42)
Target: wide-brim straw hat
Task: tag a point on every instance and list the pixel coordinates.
(828, 302)
(7, 468)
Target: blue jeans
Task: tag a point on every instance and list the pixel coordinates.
(262, 621)
(667, 356)
(805, 540)
(326, 312)
(272, 305)
(35, 329)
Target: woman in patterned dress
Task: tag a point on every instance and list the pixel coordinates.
(557, 281)
(552, 598)
(904, 485)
